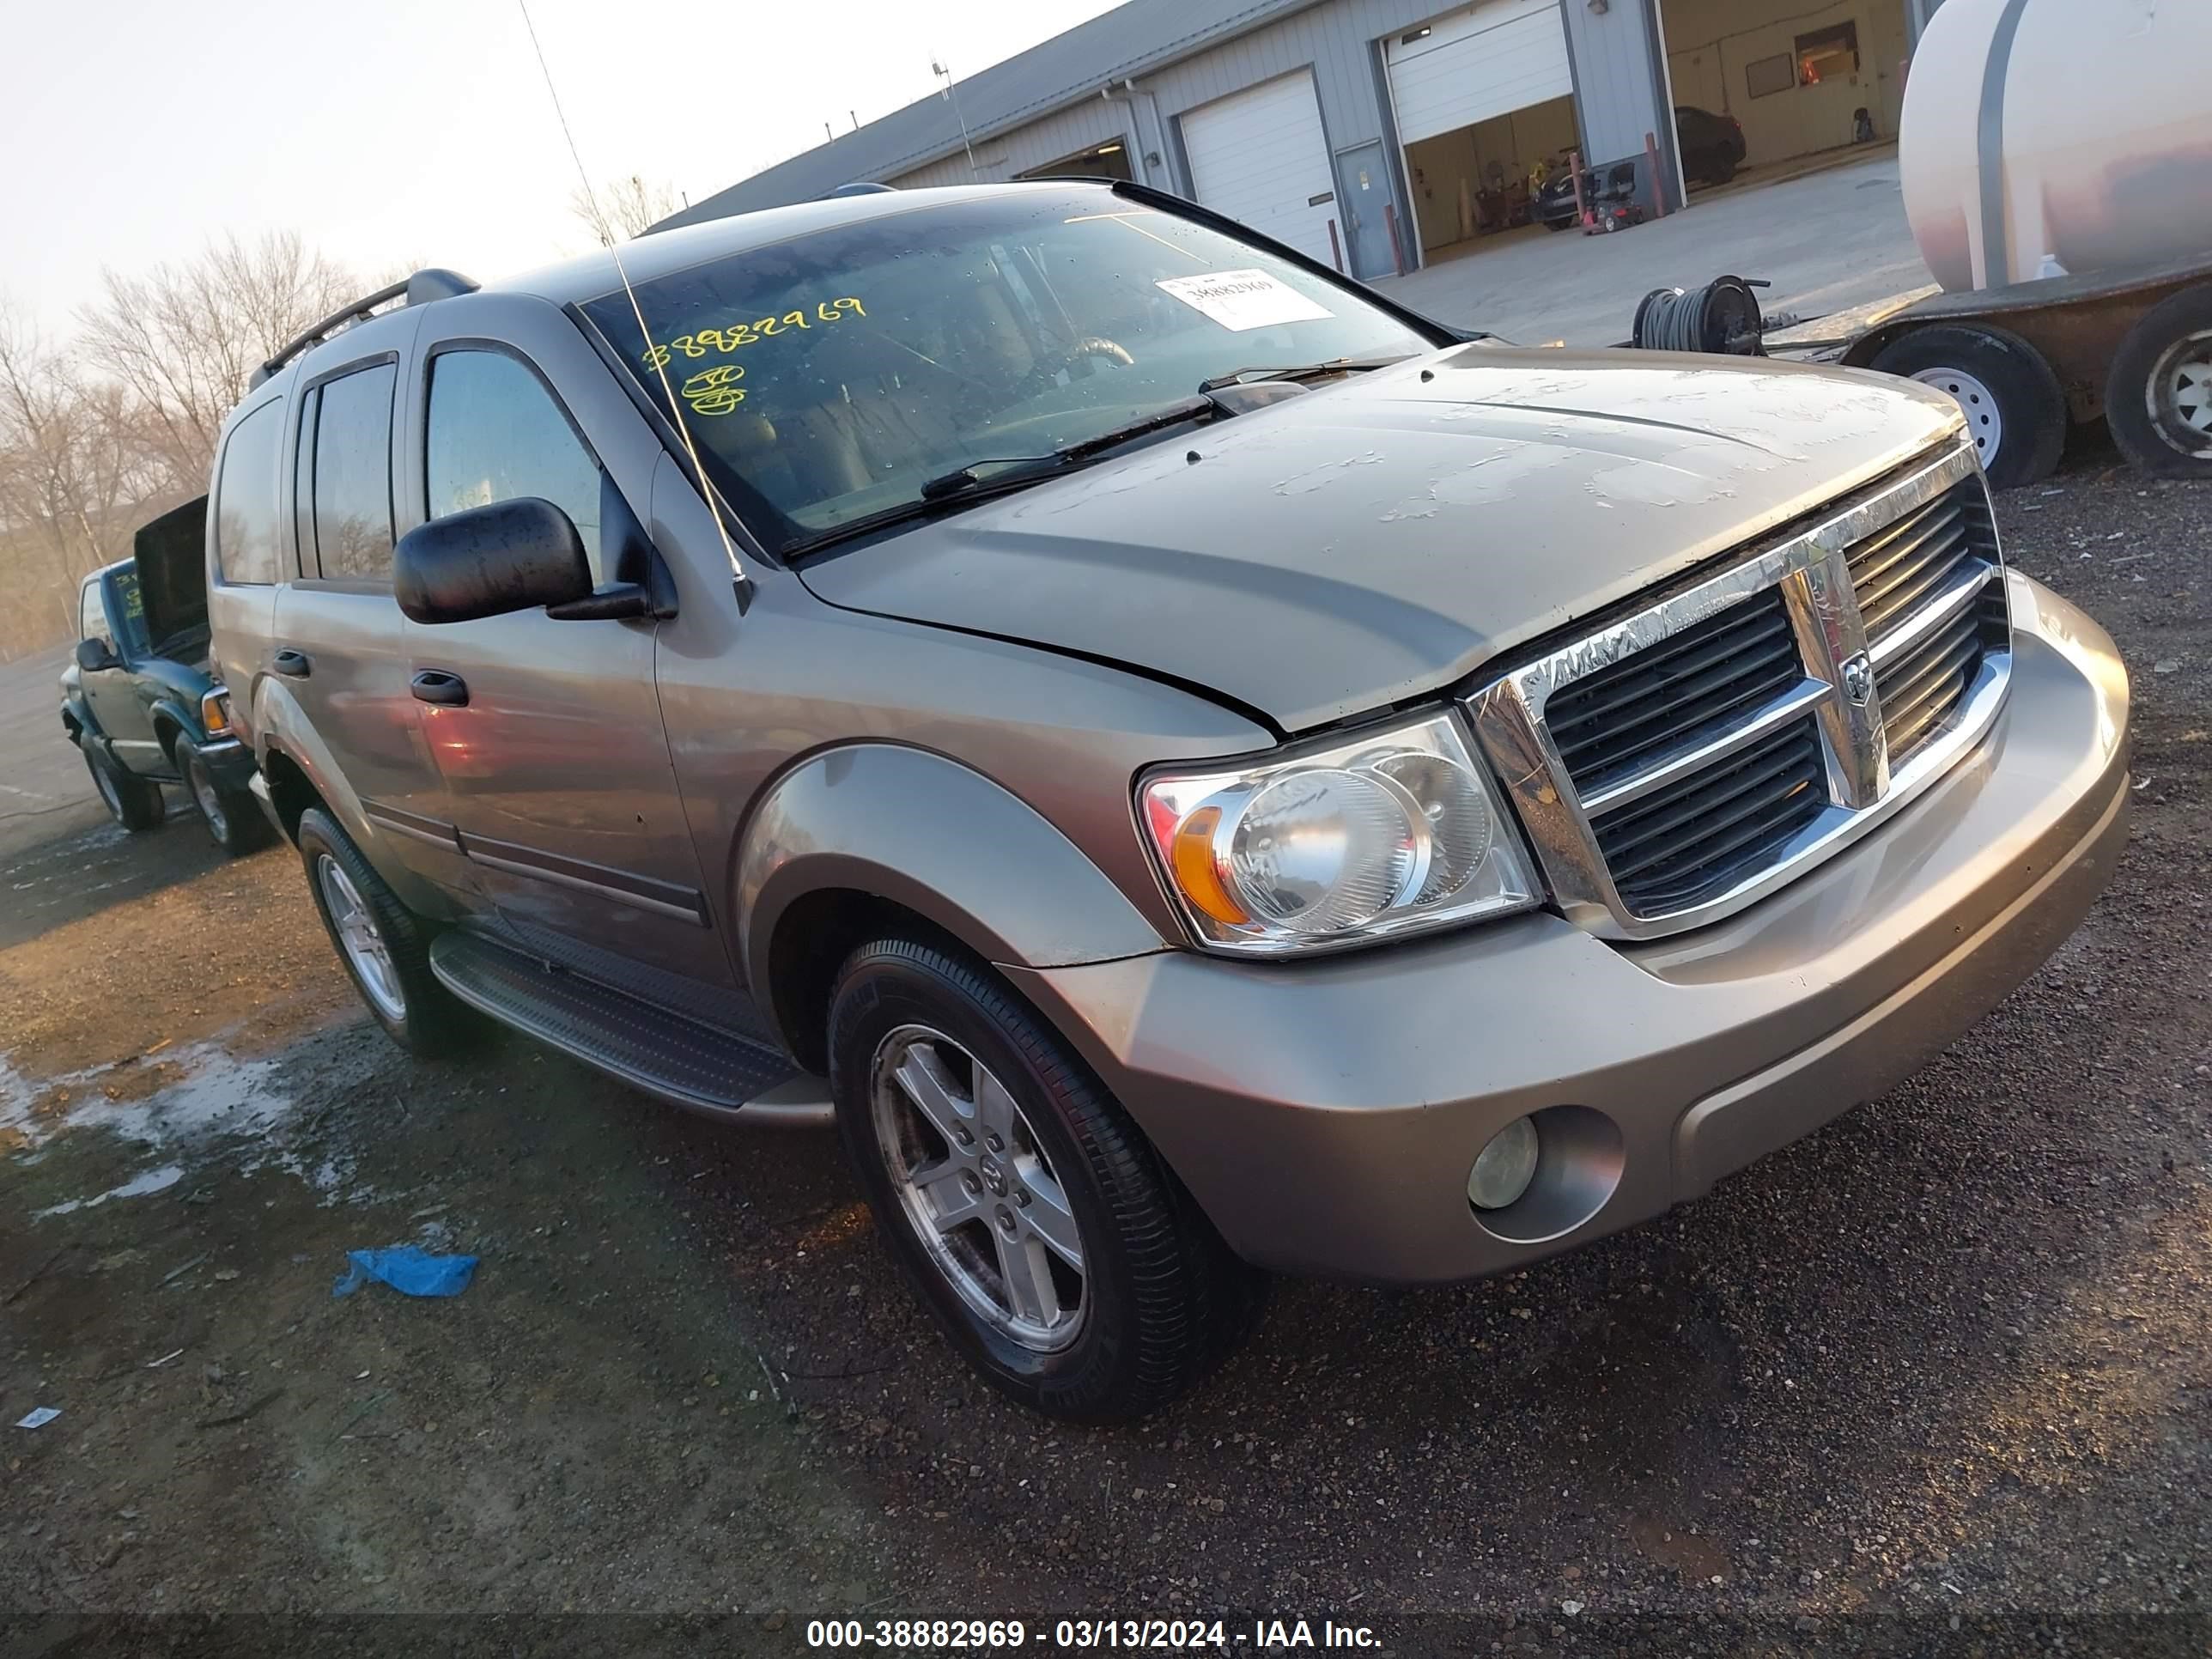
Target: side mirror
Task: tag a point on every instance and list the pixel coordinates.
(489, 561)
(94, 655)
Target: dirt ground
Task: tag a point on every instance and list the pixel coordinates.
(1941, 1368)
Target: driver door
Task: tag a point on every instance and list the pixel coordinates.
(113, 692)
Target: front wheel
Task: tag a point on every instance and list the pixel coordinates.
(133, 802)
(385, 947)
(2158, 395)
(1056, 1249)
(2015, 408)
(236, 824)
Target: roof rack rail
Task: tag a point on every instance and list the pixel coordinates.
(433, 283)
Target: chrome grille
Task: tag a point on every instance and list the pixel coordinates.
(1604, 725)
(1676, 766)
(1931, 611)
(1674, 845)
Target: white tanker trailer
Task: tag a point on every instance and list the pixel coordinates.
(2057, 162)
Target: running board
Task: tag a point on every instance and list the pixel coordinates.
(682, 1061)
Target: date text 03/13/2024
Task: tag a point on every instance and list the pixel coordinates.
(988, 1635)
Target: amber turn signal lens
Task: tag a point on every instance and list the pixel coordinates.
(215, 713)
(1194, 866)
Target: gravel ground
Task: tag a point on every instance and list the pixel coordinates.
(1946, 1361)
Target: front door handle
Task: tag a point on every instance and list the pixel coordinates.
(436, 685)
(293, 664)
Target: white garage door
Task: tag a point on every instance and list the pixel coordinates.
(1470, 65)
(1259, 155)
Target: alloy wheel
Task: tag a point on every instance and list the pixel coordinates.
(978, 1188)
(361, 939)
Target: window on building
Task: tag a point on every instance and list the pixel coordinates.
(246, 498)
(352, 474)
(1827, 54)
(1768, 75)
(495, 434)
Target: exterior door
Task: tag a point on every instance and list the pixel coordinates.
(1477, 63)
(1259, 156)
(112, 693)
(548, 733)
(1363, 189)
(341, 648)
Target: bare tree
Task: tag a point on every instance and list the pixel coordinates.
(69, 470)
(183, 340)
(623, 207)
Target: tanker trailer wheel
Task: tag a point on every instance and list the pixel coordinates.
(2014, 404)
(2157, 399)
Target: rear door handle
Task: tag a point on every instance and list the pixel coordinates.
(436, 685)
(294, 665)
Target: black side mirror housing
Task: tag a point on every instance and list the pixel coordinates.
(93, 656)
(489, 561)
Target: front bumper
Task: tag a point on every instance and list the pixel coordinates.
(230, 765)
(1325, 1114)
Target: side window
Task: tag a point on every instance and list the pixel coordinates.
(95, 622)
(495, 434)
(303, 483)
(246, 498)
(352, 474)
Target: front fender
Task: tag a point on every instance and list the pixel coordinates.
(169, 711)
(939, 838)
(78, 718)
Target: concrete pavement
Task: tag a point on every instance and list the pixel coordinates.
(1826, 240)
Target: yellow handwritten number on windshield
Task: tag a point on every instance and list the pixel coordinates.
(732, 336)
(714, 391)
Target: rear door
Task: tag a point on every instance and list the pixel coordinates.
(548, 733)
(340, 642)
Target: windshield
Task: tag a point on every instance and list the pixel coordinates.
(826, 378)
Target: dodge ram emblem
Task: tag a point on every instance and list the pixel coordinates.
(1858, 674)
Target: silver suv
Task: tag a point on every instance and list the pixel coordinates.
(1197, 769)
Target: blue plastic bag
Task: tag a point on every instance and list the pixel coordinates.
(408, 1270)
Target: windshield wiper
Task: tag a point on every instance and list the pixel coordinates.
(963, 485)
(962, 481)
(1298, 371)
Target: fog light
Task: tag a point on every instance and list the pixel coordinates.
(1503, 1169)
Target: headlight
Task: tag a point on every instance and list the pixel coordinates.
(215, 713)
(1393, 832)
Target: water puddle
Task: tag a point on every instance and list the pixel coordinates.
(191, 1106)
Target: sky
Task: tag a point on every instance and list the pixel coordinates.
(417, 132)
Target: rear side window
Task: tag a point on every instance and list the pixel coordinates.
(495, 434)
(350, 426)
(246, 498)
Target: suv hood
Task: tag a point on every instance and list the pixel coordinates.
(1367, 543)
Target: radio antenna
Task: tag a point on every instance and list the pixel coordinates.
(653, 353)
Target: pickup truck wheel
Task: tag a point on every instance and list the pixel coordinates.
(1057, 1250)
(237, 825)
(133, 802)
(386, 946)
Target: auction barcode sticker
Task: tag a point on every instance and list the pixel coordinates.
(1238, 299)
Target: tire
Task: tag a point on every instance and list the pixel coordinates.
(2013, 402)
(2158, 394)
(1558, 224)
(133, 802)
(1157, 1298)
(232, 820)
(418, 1013)
(1722, 173)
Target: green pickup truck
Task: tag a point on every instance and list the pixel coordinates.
(139, 699)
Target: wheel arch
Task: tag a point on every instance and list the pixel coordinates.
(873, 837)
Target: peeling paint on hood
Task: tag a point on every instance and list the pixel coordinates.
(1387, 536)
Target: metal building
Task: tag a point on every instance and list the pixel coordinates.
(1377, 134)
